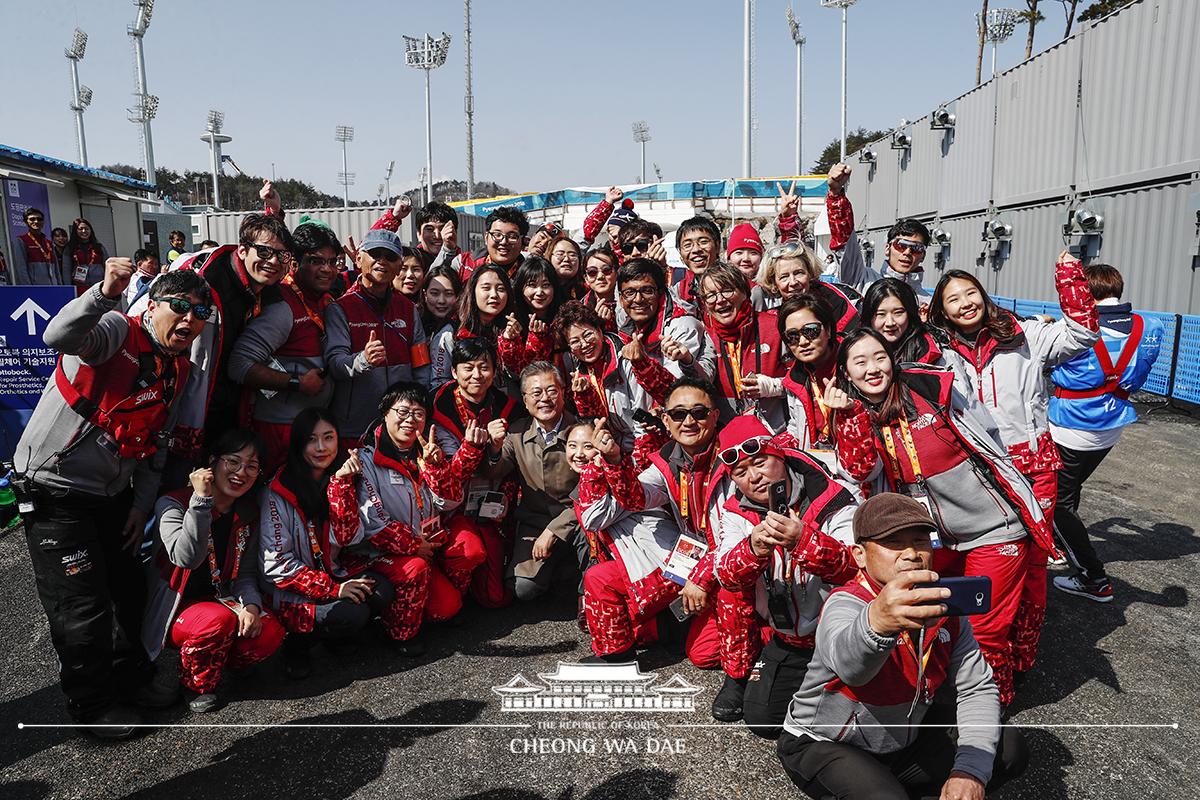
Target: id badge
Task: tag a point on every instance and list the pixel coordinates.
(779, 606)
(106, 442)
(918, 493)
(230, 602)
(684, 558)
(493, 506)
(81, 273)
(395, 478)
(432, 530)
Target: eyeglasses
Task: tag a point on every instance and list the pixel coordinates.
(181, 307)
(266, 253)
(642, 292)
(564, 255)
(587, 337)
(629, 248)
(751, 447)
(721, 294)
(498, 237)
(906, 245)
(408, 413)
(781, 250)
(593, 272)
(236, 465)
(698, 413)
(551, 393)
(319, 262)
(810, 331)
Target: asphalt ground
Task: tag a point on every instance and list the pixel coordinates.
(1132, 662)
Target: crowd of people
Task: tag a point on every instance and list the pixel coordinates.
(763, 462)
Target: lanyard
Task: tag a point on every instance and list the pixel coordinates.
(241, 536)
(312, 315)
(685, 504)
(46, 250)
(819, 402)
(733, 350)
(598, 385)
(312, 540)
(909, 448)
(905, 639)
(465, 414)
(416, 485)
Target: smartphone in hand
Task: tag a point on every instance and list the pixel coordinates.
(969, 595)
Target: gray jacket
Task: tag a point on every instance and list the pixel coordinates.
(37, 273)
(265, 335)
(849, 651)
(59, 449)
(359, 385)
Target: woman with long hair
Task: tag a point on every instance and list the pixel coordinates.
(912, 431)
(411, 277)
(439, 306)
(609, 378)
(537, 295)
(1007, 363)
(808, 328)
(85, 255)
(305, 588)
(891, 309)
(205, 599)
(566, 256)
(792, 269)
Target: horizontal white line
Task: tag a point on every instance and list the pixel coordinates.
(23, 725)
(1171, 725)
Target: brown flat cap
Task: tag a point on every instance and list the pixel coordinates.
(884, 514)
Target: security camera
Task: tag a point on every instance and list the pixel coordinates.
(942, 119)
(940, 237)
(1088, 221)
(867, 157)
(868, 250)
(901, 141)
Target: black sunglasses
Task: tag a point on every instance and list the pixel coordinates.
(182, 307)
(265, 252)
(810, 331)
(698, 413)
(592, 272)
(629, 248)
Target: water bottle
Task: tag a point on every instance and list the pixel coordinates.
(8, 503)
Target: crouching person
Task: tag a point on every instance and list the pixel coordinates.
(626, 591)
(204, 597)
(790, 550)
(388, 501)
(303, 590)
(865, 722)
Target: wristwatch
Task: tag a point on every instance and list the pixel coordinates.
(294, 383)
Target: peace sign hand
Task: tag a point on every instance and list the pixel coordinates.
(430, 452)
(790, 201)
(835, 398)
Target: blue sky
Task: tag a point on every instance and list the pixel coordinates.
(556, 84)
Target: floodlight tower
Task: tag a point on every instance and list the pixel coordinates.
(387, 179)
(997, 28)
(798, 38)
(81, 96)
(747, 87)
(344, 134)
(641, 135)
(214, 137)
(146, 105)
(469, 102)
(427, 54)
(843, 5)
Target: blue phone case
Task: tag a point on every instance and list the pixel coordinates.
(969, 595)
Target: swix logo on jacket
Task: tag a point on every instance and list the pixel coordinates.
(128, 397)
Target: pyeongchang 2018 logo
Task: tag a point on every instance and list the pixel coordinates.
(590, 688)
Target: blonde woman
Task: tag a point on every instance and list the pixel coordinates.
(792, 269)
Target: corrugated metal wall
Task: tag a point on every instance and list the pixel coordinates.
(1108, 119)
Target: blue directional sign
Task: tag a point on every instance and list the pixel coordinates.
(25, 360)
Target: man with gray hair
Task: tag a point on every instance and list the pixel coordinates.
(549, 544)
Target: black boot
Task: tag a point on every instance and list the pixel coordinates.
(623, 657)
(672, 634)
(727, 705)
(297, 660)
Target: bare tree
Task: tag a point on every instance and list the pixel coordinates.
(979, 56)
(1031, 17)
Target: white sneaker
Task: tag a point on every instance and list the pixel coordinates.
(1100, 591)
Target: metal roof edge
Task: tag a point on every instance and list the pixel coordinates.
(29, 157)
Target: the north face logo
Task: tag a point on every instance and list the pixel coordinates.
(1010, 550)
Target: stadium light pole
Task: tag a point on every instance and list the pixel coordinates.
(387, 179)
(747, 81)
(798, 38)
(843, 5)
(344, 134)
(214, 137)
(641, 135)
(469, 102)
(427, 54)
(81, 96)
(997, 28)
(147, 104)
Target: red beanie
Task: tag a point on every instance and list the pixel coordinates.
(744, 428)
(744, 236)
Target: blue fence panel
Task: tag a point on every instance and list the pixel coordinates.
(1159, 380)
(1187, 366)
(1029, 308)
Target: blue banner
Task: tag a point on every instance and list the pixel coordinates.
(25, 361)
